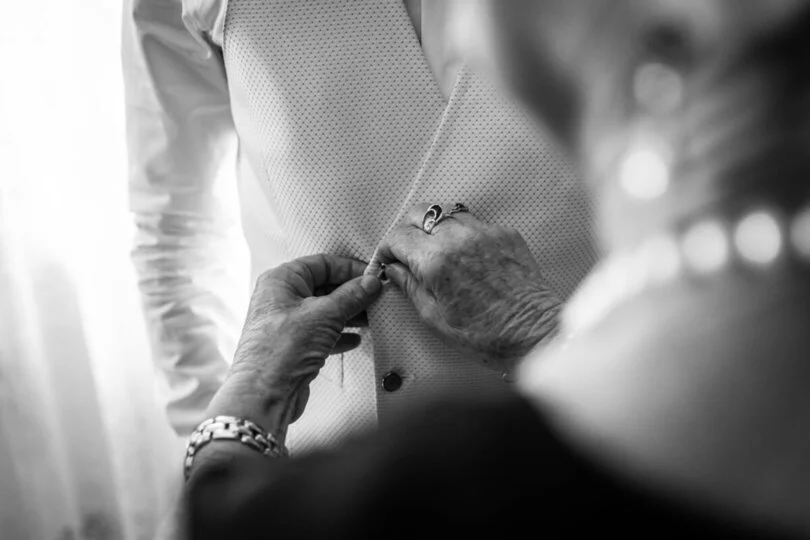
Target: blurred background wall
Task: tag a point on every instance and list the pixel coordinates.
(85, 452)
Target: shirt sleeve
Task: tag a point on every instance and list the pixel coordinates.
(189, 252)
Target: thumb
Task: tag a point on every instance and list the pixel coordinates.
(354, 296)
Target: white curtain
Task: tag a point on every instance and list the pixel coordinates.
(85, 451)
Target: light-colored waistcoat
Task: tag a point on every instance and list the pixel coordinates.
(342, 127)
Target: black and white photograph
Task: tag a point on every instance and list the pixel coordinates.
(348, 269)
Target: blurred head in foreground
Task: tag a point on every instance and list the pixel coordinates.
(667, 105)
(689, 121)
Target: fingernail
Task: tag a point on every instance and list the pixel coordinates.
(370, 284)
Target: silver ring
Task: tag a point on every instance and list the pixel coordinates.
(435, 214)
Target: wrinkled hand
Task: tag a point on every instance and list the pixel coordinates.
(476, 284)
(296, 319)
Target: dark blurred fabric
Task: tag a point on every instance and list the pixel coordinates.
(489, 466)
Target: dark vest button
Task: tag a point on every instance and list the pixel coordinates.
(391, 381)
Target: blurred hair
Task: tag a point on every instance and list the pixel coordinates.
(746, 108)
(742, 121)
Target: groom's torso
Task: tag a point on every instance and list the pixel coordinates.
(342, 125)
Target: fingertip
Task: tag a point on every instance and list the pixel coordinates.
(383, 253)
(347, 342)
(371, 284)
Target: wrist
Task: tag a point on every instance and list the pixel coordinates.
(246, 394)
(541, 316)
(237, 438)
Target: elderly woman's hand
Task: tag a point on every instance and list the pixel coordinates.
(295, 320)
(477, 285)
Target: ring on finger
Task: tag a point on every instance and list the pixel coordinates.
(433, 215)
(436, 214)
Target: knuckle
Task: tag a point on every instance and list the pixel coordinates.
(296, 266)
(428, 310)
(269, 276)
(513, 237)
(503, 232)
(427, 314)
(469, 241)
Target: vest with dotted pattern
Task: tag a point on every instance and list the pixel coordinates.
(342, 128)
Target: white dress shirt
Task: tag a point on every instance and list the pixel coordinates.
(337, 119)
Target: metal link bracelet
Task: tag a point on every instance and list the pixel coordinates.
(231, 428)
